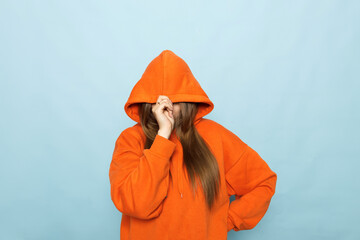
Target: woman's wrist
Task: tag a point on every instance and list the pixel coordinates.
(164, 133)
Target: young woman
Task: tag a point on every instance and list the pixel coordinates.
(173, 172)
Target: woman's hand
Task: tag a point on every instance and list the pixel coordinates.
(163, 112)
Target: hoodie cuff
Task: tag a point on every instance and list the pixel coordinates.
(162, 146)
(230, 225)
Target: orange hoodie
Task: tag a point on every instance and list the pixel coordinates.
(158, 205)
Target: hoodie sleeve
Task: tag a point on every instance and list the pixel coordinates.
(250, 179)
(139, 178)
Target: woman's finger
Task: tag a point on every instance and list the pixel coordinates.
(166, 106)
(163, 105)
(169, 114)
(163, 97)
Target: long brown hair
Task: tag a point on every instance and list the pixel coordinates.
(197, 156)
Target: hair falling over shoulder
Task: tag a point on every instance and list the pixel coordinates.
(197, 157)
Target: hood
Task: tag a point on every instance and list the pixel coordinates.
(167, 74)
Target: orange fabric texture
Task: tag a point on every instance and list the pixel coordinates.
(150, 186)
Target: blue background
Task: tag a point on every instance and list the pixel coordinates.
(283, 75)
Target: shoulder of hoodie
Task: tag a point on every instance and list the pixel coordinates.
(216, 128)
(133, 132)
(228, 139)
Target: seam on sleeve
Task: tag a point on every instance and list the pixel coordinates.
(241, 156)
